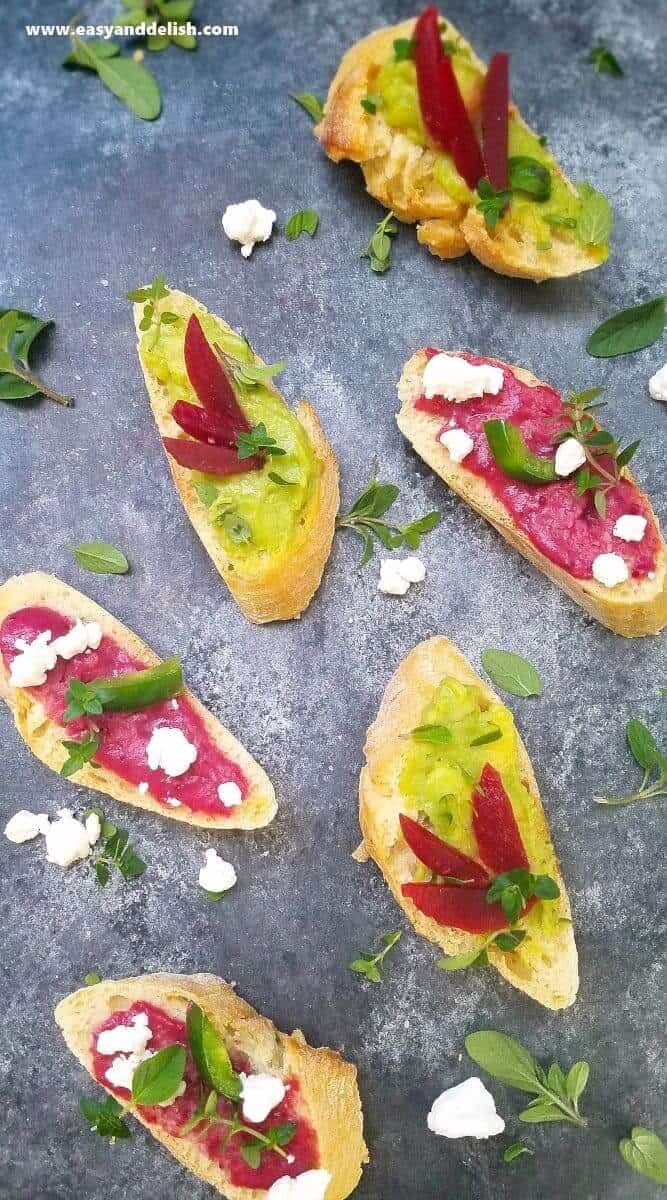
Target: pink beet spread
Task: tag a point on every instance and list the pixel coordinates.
(166, 1031)
(125, 735)
(563, 526)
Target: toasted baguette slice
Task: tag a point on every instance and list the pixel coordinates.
(328, 1084)
(285, 587)
(554, 981)
(633, 609)
(45, 737)
(399, 173)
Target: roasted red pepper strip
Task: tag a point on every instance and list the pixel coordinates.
(205, 425)
(496, 830)
(495, 109)
(444, 114)
(211, 385)
(461, 908)
(438, 856)
(212, 460)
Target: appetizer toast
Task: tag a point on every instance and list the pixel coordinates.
(266, 519)
(316, 1107)
(374, 115)
(217, 784)
(416, 786)
(557, 528)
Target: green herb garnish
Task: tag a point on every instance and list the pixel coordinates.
(105, 1117)
(528, 175)
(101, 558)
(515, 1151)
(141, 12)
(378, 248)
(152, 319)
(644, 750)
(158, 1079)
(605, 61)
(130, 81)
(513, 889)
(646, 1153)
(594, 220)
(364, 518)
(79, 753)
(605, 458)
(257, 441)
(491, 203)
(629, 330)
(92, 978)
(18, 331)
(304, 221)
(372, 102)
(116, 852)
(312, 104)
(512, 673)
(369, 964)
(478, 957)
(556, 1093)
(438, 734)
(404, 48)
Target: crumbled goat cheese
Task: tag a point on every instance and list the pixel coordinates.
(456, 379)
(260, 1094)
(82, 636)
(630, 528)
(248, 223)
(126, 1039)
(66, 840)
(170, 751)
(657, 384)
(29, 668)
(310, 1185)
(93, 827)
(24, 826)
(173, 802)
(570, 455)
(230, 794)
(467, 1110)
(123, 1067)
(396, 575)
(457, 442)
(610, 569)
(217, 875)
(142, 788)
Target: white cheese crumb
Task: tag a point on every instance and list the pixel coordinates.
(630, 528)
(66, 840)
(260, 1094)
(126, 1039)
(467, 1110)
(93, 828)
(36, 658)
(230, 794)
(170, 751)
(610, 570)
(457, 442)
(24, 826)
(310, 1185)
(217, 875)
(122, 1069)
(456, 379)
(657, 384)
(82, 636)
(397, 574)
(570, 455)
(142, 788)
(248, 223)
(173, 802)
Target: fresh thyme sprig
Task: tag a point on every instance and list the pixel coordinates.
(149, 297)
(605, 459)
(257, 441)
(644, 750)
(116, 852)
(18, 331)
(368, 964)
(378, 247)
(556, 1092)
(364, 518)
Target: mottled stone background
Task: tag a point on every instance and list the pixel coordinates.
(94, 201)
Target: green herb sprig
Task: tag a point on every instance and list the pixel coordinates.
(101, 558)
(512, 672)
(304, 221)
(378, 248)
(152, 319)
(605, 459)
(513, 889)
(404, 49)
(105, 1117)
(129, 81)
(492, 203)
(116, 852)
(478, 957)
(364, 518)
(629, 330)
(371, 102)
(646, 1153)
(18, 331)
(249, 374)
(310, 103)
(515, 1150)
(556, 1092)
(605, 61)
(369, 964)
(141, 12)
(644, 750)
(257, 441)
(594, 219)
(80, 753)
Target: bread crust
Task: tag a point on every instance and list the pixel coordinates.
(632, 609)
(284, 589)
(409, 690)
(328, 1083)
(44, 736)
(399, 173)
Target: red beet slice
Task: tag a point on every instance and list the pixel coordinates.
(495, 109)
(212, 460)
(443, 110)
(496, 830)
(438, 856)
(206, 426)
(460, 908)
(205, 372)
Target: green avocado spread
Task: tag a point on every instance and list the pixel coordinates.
(438, 779)
(253, 515)
(395, 87)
